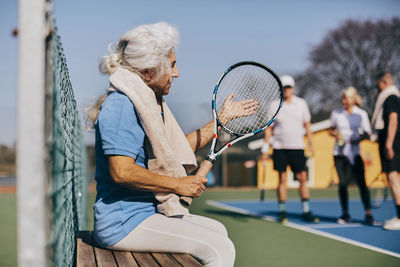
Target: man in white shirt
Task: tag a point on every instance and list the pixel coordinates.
(289, 128)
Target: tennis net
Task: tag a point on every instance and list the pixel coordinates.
(67, 192)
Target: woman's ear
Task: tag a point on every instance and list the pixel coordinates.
(147, 75)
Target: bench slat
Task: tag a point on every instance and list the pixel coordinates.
(165, 259)
(104, 257)
(84, 250)
(124, 259)
(88, 255)
(144, 259)
(186, 260)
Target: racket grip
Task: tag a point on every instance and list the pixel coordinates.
(205, 167)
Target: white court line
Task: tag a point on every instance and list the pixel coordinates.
(304, 228)
(336, 225)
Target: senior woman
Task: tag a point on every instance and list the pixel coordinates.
(142, 156)
(350, 125)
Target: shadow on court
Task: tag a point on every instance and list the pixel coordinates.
(231, 214)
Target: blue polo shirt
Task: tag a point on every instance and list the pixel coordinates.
(118, 210)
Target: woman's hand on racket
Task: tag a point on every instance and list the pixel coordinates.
(191, 186)
(236, 109)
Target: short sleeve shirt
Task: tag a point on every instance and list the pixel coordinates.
(289, 124)
(118, 210)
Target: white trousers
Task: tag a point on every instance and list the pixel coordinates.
(202, 237)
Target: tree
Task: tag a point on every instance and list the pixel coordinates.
(351, 55)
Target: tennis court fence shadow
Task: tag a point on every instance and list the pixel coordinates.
(292, 216)
(298, 216)
(273, 214)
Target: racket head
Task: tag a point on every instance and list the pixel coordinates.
(379, 191)
(249, 80)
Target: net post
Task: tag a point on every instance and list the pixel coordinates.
(31, 149)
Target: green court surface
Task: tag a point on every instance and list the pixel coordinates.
(8, 229)
(258, 242)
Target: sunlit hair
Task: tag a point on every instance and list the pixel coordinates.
(352, 93)
(143, 48)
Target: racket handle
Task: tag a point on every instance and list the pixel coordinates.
(205, 167)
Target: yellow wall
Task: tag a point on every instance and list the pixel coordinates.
(324, 170)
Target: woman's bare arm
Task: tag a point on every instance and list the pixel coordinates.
(199, 138)
(125, 172)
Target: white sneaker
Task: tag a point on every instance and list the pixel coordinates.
(392, 224)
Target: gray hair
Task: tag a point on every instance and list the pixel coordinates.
(145, 47)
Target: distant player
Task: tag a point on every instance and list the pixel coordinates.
(349, 125)
(386, 121)
(293, 121)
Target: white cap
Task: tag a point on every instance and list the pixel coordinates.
(287, 81)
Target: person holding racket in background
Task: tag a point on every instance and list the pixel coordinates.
(386, 121)
(288, 131)
(142, 156)
(349, 125)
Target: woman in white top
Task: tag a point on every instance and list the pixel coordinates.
(350, 125)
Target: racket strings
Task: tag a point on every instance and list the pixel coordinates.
(250, 82)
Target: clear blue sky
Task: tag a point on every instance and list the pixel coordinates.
(214, 35)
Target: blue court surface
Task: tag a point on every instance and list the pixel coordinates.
(328, 210)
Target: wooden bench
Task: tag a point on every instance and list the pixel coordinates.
(89, 255)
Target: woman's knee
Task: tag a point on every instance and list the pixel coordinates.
(221, 253)
(220, 228)
(361, 183)
(343, 183)
(342, 187)
(229, 253)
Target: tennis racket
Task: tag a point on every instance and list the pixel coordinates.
(241, 82)
(379, 191)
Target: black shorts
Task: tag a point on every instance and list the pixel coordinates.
(392, 164)
(293, 157)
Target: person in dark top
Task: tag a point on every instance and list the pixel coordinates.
(386, 122)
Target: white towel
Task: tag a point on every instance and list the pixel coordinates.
(377, 117)
(169, 151)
